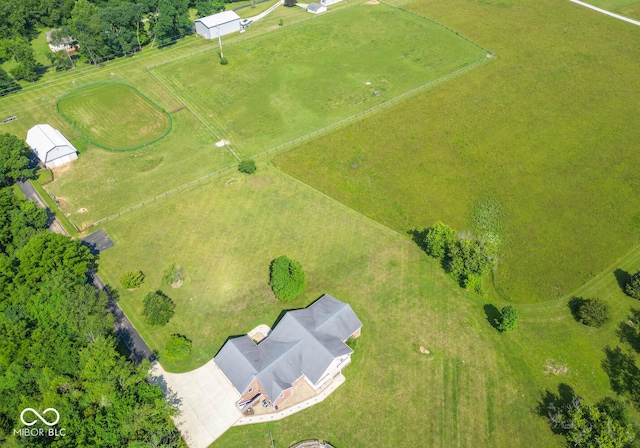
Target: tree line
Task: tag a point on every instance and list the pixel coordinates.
(58, 346)
(99, 29)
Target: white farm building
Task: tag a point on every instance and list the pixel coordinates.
(51, 147)
(225, 22)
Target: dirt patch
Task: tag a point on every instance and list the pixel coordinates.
(176, 285)
(177, 109)
(231, 181)
(82, 210)
(260, 182)
(61, 201)
(60, 170)
(372, 2)
(555, 368)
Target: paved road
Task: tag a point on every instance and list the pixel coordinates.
(127, 333)
(31, 194)
(98, 241)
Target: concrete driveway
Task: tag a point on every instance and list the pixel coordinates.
(206, 400)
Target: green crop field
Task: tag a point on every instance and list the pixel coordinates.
(476, 388)
(114, 116)
(548, 129)
(296, 80)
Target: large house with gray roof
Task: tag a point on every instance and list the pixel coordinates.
(306, 345)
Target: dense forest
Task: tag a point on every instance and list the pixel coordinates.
(58, 345)
(97, 29)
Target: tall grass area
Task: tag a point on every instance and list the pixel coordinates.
(477, 387)
(548, 130)
(304, 77)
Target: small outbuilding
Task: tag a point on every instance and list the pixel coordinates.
(316, 8)
(51, 147)
(215, 25)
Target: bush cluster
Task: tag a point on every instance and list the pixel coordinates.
(158, 308)
(132, 279)
(592, 312)
(632, 288)
(247, 166)
(178, 347)
(508, 319)
(287, 279)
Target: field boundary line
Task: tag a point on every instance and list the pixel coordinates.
(360, 115)
(163, 195)
(145, 97)
(190, 108)
(609, 13)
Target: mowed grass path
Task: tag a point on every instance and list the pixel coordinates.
(114, 116)
(549, 129)
(477, 388)
(303, 77)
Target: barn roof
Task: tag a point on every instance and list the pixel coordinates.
(303, 342)
(48, 143)
(219, 19)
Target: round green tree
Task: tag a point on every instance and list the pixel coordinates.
(158, 308)
(178, 347)
(592, 312)
(632, 288)
(508, 319)
(286, 278)
(247, 166)
(132, 279)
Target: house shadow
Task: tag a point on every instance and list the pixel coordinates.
(493, 315)
(623, 277)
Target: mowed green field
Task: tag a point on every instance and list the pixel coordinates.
(549, 129)
(114, 116)
(301, 78)
(476, 388)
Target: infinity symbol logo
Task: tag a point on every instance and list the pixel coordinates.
(42, 419)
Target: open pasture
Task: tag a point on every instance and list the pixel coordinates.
(476, 388)
(549, 129)
(629, 8)
(304, 77)
(114, 116)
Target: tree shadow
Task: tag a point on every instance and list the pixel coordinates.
(493, 315)
(418, 235)
(550, 402)
(622, 277)
(574, 305)
(622, 370)
(629, 330)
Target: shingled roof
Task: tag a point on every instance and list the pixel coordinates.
(304, 342)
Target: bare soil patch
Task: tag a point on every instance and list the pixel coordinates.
(555, 368)
(177, 284)
(260, 181)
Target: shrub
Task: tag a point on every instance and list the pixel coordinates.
(592, 312)
(172, 275)
(469, 258)
(632, 288)
(247, 166)
(158, 308)
(438, 238)
(474, 283)
(224, 61)
(178, 347)
(280, 22)
(352, 343)
(508, 319)
(286, 278)
(132, 279)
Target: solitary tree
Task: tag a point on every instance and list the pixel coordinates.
(178, 347)
(508, 319)
(132, 279)
(592, 312)
(632, 288)
(287, 278)
(247, 166)
(158, 308)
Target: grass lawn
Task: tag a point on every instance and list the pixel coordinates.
(629, 8)
(114, 116)
(345, 63)
(548, 129)
(477, 388)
